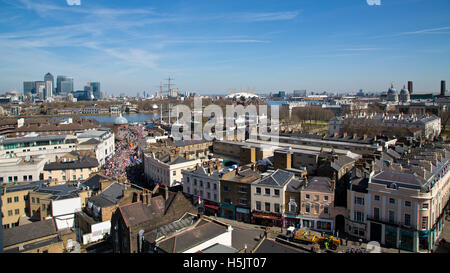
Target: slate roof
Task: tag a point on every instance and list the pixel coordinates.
(320, 184)
(93, 182)
(271, 246)
(158, 212)
(28, 232)
(59, 192)
(87, 162)
(91, 141)
(342, 161)
(407, 180)
(202, 232)
(108, 197)
(278, 179)
(295, 185)
(218, 248)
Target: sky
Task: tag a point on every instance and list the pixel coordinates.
(210, 46)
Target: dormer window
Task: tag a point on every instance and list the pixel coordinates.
(393, 186)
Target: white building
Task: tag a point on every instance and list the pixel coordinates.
(203, 182)
(21, 169)
(101, 141)
(35, 145)
(166, 170)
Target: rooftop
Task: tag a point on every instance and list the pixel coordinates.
(28, 232)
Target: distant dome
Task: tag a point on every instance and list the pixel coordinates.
(120, 121)
(404, 92)
(392, 90)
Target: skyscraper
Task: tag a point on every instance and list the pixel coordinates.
(95, 87)
(443, 88)
(40, 88)
(410, 87)
(29, 88)
(64, 85)
(49, 77)
(48, 90)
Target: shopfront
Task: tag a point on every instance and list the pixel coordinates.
(406, 240)
(227, 211)
(390, 238)
(243, 215)
(292, 221)
(211, 208)
(267, 219)
(423, 240)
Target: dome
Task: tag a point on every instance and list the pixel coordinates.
(392, 90)
(404, 91)
(120, 120)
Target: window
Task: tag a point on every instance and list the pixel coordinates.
(258, 205)
(215, 197)
(425, 222)
(358, 216)
(277, 208)
(425, 206)
(407, 204)
(258, 190)
(74, 177)
(277, 192)
(391, 216)
(307, 197)
(243, 201)
(325, 198)
(195, 182)
(242, 189)
(407, 219)
(188, 190)
(226, 188)
(392, 201)
(227, 200)
(16, 212)
(201, 183)
(25, 178)
(208, 196)
(15, 179)
(267, 206)
(9, 200)
(292, 205)
(32, 200)
(208, 185)
(10, 213)
(187, 179)
(359, 201)
(376, 213)
(215, 186)
(325, 210)
(174, 173)
(37, 200)
(267, 191)
(30, 178)
(16, 199)
(307, 208)
(377, 198)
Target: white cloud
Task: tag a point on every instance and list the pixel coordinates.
(73, 2)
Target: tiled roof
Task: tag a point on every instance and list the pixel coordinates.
(321, 184)
(278, 179)
(109, 197)
(79, 164)
(28, 232)
(202, 232)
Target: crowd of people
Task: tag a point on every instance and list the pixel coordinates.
(126, 154)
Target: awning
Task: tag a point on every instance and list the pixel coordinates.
(266, 216)
(212, 207)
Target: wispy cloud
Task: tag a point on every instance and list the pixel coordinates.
(439, 30)
(268, 16)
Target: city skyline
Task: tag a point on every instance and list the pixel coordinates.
(209, 48)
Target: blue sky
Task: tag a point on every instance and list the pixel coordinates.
(211, 46)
